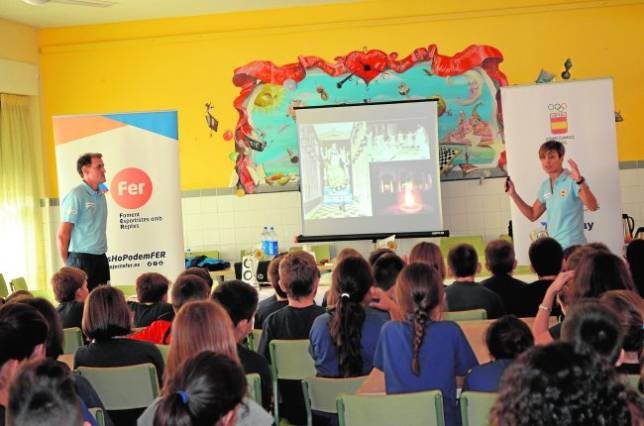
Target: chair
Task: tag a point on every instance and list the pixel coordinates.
(321, 393)
(475, 407)
(123, 388)
(410, 409)
(164, 349)
(632, 380)
(99, 415)
(127, 289)
(254, 385)
(252, 341)
(473, 314)
(72, 340)
(4, 290)
(18, 284)
(290, 360)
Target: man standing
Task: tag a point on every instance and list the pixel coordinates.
(82, 241)
(564, 194)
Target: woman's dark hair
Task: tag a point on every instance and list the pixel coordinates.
(43, 393)
(590, 324)
(203, 390)
(629, 308)
(419, 290)
(377, 254)
(22, 328)
(558, 385)
(350, 281)
(508, 337)
(54, 343)
(599, 271)
(105, 314)
(635, 258)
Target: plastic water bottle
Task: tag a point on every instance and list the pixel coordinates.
(266, 242)
(274, 244)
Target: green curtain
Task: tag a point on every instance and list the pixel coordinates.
(22, 239)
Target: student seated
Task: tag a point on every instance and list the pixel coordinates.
(70, 291)
(208, 389)
(506, 338)
(429, 253)
(203, 326)
(500, 260)
(465, 293)
(106, 321)
(43, 394)
(423, 353)
(299, 277)
(558, 385)
(278, 300)
(239, 299)
(201, 273)
(629, 308)
(152, 296)
(385, 273)
(23, 334)
(54, 348)
(329, 298)
(591, 326)
(546, 257)
(343, 340)
(187, 287)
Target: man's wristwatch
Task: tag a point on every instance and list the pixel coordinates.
(581, 180)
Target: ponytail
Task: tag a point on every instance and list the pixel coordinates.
(420, 319)
(351, 280)
(173, 411)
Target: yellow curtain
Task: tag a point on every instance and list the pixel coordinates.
(22, 247)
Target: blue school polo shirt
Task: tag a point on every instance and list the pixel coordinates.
(444, 354)
(324, 352)
(486, 377)
(87, 210)
(565, 210)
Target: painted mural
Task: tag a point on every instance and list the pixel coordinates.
(466, 86)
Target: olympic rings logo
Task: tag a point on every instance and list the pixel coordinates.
(558, 107)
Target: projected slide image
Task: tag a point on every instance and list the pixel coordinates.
(402, 187)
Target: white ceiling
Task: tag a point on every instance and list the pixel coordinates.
(55, 14)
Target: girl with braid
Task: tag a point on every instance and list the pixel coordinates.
(423, 353)
(343, 341)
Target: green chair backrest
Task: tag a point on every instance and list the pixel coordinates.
(633, 380)
(164, 349)
(475, 407)
(72, 340)
(410, 409)
(99, 415)
(19, 284)
(254, 385)
(290, 360)
(252, 341)
(4, 290)
(127, 289)
(322, 252)
(321, 393)
(472, 314)
(123, 388)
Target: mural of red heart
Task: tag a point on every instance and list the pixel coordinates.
(368, 65)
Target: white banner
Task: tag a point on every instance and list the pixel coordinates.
(580, 114)
(141, 156)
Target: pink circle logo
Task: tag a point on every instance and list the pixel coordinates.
(131, 188)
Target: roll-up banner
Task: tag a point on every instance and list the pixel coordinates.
(580, 114)
(141, 156)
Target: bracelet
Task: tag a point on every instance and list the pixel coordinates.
(545, 308)
(580, 181)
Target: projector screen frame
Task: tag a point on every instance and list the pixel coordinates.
(368, 236)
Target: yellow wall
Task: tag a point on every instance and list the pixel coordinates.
(183, 63)
(18, 42)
